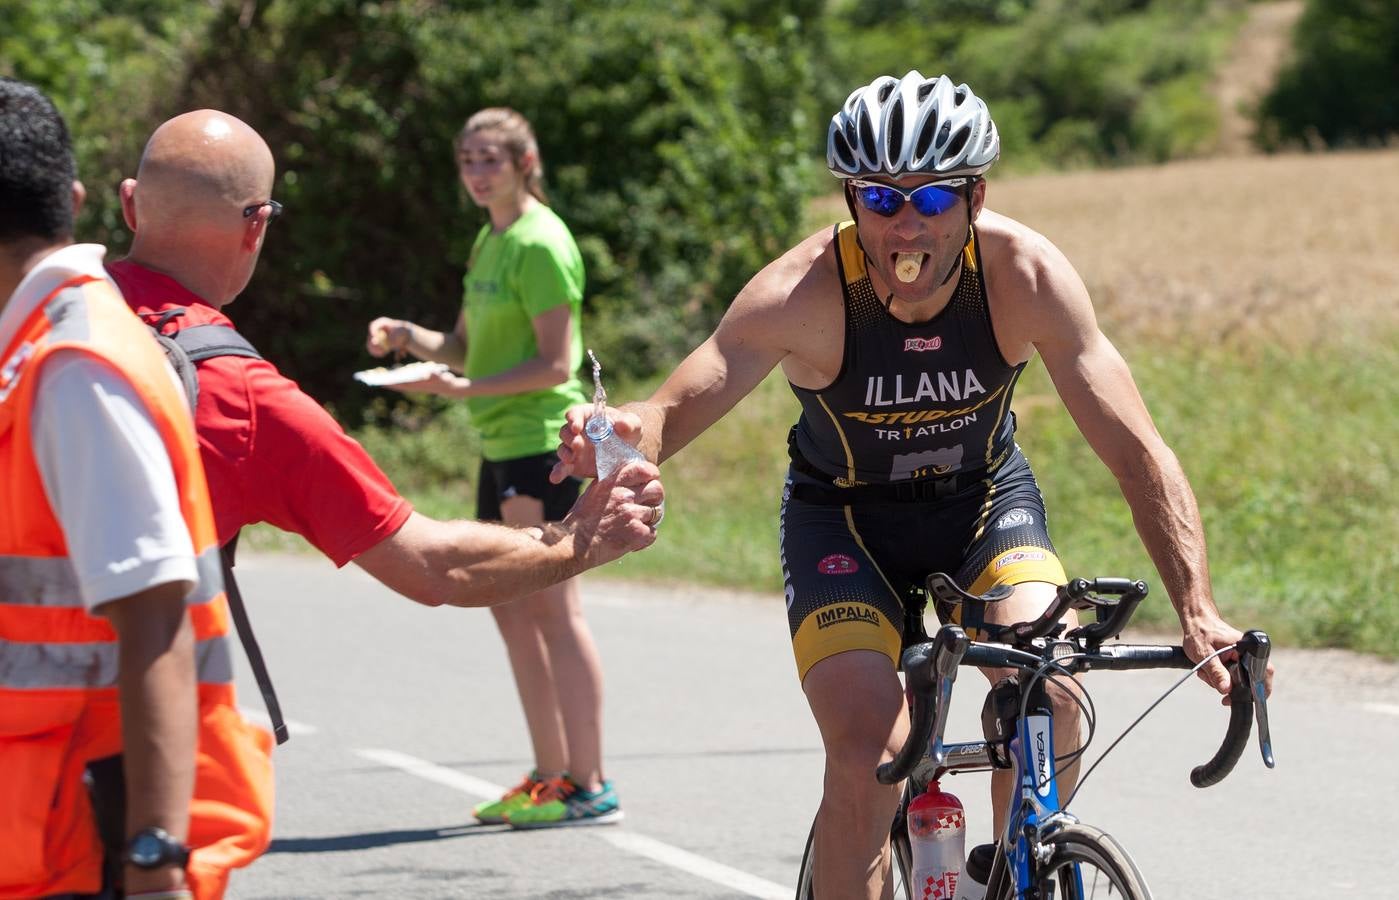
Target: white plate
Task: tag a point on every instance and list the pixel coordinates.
(382, 377)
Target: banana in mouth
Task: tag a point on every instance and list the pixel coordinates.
(907, 266)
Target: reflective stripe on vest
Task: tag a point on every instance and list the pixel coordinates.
(52, 581)
(42, 666)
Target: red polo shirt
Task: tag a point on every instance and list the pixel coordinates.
(271, 453)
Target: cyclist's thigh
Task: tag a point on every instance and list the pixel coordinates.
(838, 598)
(858, 703)
(1008, 543)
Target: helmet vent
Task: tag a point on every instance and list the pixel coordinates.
(844, 153)
(925, 89)
(958, 142)
(894, 134)
(866, 132)
(961, 94)
(925, 138)
(887, 89)
(943, 132)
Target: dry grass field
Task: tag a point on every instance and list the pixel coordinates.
(1285, 248)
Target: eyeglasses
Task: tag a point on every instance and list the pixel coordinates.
(932, 199)
(274, 209)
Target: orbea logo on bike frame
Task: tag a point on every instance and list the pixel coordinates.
(1044, 765)
(838, 564)
(918, 345)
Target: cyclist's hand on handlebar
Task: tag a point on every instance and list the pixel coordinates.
(576, 451)
(1202, 636)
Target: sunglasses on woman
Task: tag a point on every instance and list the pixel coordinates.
(932, 199)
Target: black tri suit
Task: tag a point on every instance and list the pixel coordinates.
(905, 464)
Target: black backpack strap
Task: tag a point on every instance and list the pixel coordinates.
(175, 354)
(185, 348)
(250, 647)
(201, 342)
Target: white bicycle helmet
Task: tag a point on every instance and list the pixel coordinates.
(912, 125)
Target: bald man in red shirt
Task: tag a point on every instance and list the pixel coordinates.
(199, 209)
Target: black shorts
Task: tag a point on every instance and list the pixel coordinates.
(848, 570)
(527, 476)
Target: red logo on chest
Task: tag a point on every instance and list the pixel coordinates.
(920, 344)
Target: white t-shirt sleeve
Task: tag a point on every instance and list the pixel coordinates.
(109, 481)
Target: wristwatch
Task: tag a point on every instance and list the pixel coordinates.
(154, 848)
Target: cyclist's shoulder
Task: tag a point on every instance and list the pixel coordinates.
(1017, 259)
(793, 279)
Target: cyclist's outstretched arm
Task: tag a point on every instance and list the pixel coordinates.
(1099, 392)
(755, 335)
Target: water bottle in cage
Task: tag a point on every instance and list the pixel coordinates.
(937, 829)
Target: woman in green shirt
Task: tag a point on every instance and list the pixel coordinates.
(518, 344)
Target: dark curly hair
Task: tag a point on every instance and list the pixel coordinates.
(36, 166)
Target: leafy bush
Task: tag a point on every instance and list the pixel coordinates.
(1339, 88)
(1087, 83)
(111, 68)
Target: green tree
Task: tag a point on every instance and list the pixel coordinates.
(677, 144)
(1340, 85)
(111, 67)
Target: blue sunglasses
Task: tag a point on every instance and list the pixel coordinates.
(932, 199)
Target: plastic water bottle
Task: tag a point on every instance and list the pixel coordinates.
(937, 829)
(609, 451)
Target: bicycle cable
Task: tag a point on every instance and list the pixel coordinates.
(1184, 678)
(1080, 697)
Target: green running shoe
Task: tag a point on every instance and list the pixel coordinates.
(493, 812)
(559, 803)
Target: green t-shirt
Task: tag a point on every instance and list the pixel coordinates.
(528, 269)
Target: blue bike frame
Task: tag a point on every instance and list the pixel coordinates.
(1035, 802)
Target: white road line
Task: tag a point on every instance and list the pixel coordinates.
(630, 841)
(467, 784)
(259, 717)
(1387, 708)
(750, 885)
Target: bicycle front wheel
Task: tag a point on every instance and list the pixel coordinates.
(1086, 863)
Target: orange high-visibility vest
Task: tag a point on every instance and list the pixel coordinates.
(58, 664)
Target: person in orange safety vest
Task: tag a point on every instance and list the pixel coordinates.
(115, 661)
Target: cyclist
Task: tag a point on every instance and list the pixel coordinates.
(902, 334)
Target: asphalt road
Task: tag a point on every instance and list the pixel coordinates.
(404, 717)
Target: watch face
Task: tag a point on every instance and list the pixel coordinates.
(146, 849)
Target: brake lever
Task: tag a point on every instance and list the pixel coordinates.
(1254, 649)
(949, 646)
